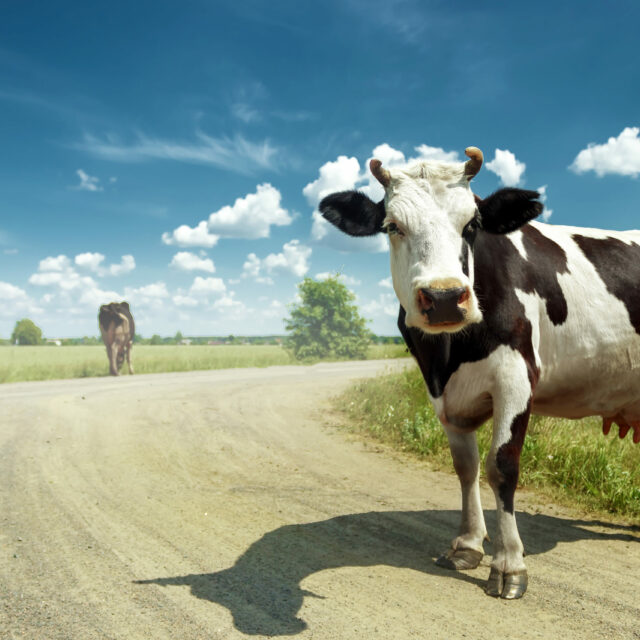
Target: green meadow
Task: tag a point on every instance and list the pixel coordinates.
(24, 363)
(569, 461)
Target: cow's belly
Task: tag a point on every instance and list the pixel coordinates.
(605, 384)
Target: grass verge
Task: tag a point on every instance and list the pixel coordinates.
(570, 461)
(25, 363)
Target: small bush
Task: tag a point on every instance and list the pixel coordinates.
(326, 323)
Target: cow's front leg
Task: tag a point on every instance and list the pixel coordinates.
(508, 577)
(466, 549)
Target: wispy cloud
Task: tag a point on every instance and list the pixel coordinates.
(245, 112)
(235, 154)
(87, 182)
(408, 19)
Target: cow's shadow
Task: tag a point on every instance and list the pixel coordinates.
(262, 589)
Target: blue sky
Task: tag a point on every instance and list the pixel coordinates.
(173, 153)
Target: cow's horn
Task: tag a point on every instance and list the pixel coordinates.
(474, 163)
(380, 174)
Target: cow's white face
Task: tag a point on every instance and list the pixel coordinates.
(428, 206)
(431, 216)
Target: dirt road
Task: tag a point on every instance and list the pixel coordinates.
(219, 504)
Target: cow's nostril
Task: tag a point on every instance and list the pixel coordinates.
(425, 300)
(464, 296)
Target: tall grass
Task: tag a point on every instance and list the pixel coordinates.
(48, 362)
(571, 461)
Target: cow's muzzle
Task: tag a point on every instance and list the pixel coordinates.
(444, 306)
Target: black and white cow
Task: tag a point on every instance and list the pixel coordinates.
(505, 317)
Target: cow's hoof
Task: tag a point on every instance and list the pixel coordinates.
(460, 559)
(509, 586)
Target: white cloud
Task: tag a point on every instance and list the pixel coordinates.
(187, 261)
(236, 154)
(87, 182)
(153, 296)
(425, 152)
(59, 263)
(341, 175)
(251, 269)
(228, 302)
(10, 293)
(507, 167)
(294, 259)
(93, 262)
(547, 213)
(59, 272)
(66, 280)
(207, 286)
(127, 264)
(93, 297)
(619, 155)
(388, 155)
(386, 283)
(386, 304)
(185, 236)
(250, 217)
(347, 280)
(185, 301)
(14, 300)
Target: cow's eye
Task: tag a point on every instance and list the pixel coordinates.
(470, 230)
(393, 229)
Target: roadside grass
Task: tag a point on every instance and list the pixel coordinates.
(25, 363)
(569, 461)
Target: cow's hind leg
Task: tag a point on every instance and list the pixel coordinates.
(112, 350)
(128, 352)
(466, 549)
(508, 577)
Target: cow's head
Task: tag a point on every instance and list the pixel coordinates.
(431, 217)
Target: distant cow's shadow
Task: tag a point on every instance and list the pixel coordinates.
(262, 589)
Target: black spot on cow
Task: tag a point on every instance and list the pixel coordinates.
(546, 261)
(618, 264)
(508, 460)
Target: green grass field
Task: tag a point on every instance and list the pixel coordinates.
(570, 461)
(50, 362)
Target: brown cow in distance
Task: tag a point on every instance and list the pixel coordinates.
(118, 329)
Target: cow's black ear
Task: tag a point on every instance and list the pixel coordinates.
(508, 209)
(353, 212)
